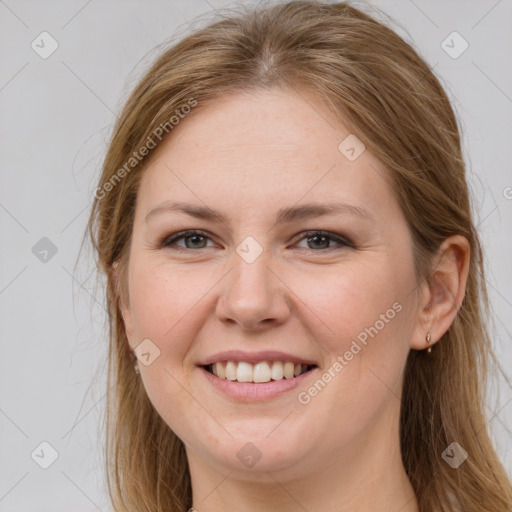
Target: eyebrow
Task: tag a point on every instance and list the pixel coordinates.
(284, 215)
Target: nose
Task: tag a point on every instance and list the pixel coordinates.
(253, 295)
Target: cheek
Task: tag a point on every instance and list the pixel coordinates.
(347, 300)
(365, 318)
(164, 300)
(363, 327)
(165, 304)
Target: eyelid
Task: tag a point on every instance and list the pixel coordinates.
(168, 240)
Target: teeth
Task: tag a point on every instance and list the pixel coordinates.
(277, 371)
(230, 370)
(288, 370)
(261, 372)
(221, 370)
(264, 371)
(244, 372)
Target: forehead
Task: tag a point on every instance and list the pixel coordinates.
(267, 148)
(273, 121)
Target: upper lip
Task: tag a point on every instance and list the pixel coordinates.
(255, 357)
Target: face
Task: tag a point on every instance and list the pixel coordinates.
(270, 284)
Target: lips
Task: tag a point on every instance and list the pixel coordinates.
(248, 392)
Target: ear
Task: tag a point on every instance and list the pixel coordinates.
(121, 293)
(442, 292)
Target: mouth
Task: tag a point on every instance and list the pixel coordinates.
(245, 376)
(259, 373)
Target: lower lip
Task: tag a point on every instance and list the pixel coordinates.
(250, 392)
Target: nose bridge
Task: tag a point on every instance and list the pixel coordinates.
(252, 294)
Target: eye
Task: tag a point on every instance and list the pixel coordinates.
(196, 239)
(323, 239)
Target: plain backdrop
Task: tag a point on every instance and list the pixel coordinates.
(56, 117)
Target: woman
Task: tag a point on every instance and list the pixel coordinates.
(294, 277)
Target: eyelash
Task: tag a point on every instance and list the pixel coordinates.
(169, 241)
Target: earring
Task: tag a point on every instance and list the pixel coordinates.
(136, 367)
(428, 338)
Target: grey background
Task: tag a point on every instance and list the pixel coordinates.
(56, 116)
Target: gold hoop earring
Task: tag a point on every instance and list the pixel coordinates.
(428, 338)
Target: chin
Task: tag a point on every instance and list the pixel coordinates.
(249, 452)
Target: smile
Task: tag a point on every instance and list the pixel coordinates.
(261, 372)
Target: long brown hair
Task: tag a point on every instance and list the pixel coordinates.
(390, 99)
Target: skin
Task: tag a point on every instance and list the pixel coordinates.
(247, 156)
